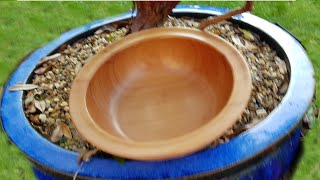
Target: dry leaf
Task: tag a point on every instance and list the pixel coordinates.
(247, 35)
(35, 119)
(106, 28)
(65, 130)
(22, 87)
(86, 155)
(48, 58)
(56, 134)
(31, 108)
(43, 69)
(77, 172)
(41, 105)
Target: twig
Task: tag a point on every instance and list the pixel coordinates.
(247, 7)
(77, 172)
(86, 155)
(49, 58)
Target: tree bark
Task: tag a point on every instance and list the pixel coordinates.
(151, 14)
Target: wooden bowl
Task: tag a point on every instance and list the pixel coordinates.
(160, 93)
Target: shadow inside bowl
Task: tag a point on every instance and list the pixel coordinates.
(159, 89)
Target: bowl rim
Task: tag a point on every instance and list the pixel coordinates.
(248, 144)
(173, 147)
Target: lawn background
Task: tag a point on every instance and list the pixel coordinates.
(25, 26)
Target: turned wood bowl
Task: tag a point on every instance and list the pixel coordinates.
(160, 93)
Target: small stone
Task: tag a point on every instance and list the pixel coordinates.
(63, 104)
(43, 118)
(261, 112)
(49, 77)
(50, 86)
(68, 115)
(56, 99)
(48, 102)
(273, 74)
(66, 108)
(284, 87)
(58, 121)
(50, 110)
(54, 115)
(51, 121)
(57, 85)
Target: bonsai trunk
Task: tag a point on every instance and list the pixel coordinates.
(151, 14)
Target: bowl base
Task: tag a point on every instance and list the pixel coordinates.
(162, 103)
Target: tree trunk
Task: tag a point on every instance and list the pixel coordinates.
(151, 14)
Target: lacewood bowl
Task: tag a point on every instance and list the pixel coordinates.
(160, 93)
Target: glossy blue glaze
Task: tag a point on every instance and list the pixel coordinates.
(248, 144)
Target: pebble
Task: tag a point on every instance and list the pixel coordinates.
(51, 121)
(261, 112)
(64, 103)
(43, 118)
(66, 108)
(284, 88)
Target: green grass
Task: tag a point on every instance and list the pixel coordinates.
(25, 26)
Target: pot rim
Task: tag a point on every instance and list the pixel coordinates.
(248, 144)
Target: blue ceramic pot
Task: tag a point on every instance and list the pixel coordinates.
(263, 152)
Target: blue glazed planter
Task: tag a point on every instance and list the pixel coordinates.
(263, 152)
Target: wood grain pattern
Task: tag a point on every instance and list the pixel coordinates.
(160, 93)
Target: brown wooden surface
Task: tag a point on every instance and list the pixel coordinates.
(160, 93)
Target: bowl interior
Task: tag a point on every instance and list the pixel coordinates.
(159, 88)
